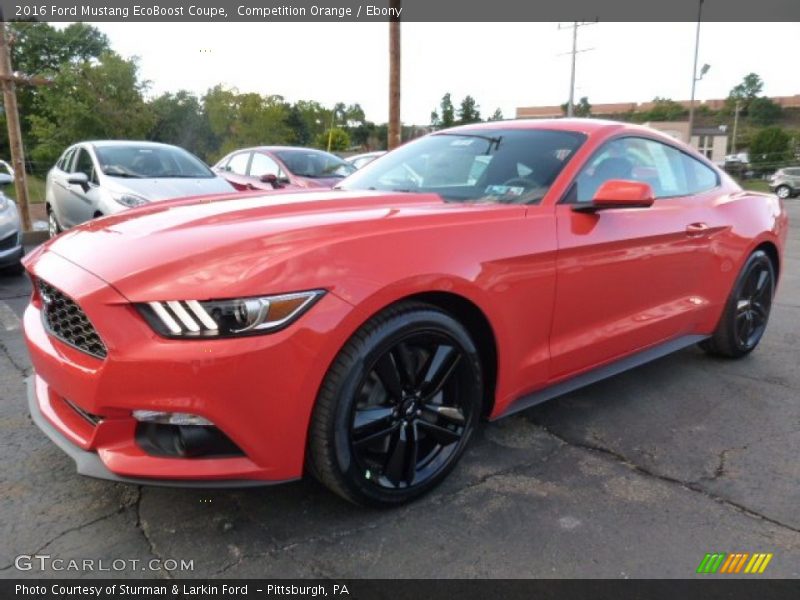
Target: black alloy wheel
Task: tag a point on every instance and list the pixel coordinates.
(747, 311)
(397, 407)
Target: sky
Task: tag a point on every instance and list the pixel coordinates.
(502, 65)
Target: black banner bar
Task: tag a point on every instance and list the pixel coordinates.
(410, 10)
(710, 588)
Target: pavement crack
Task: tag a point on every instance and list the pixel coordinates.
(694, 486)
(22, 370)
(143, 528)
(61, 534)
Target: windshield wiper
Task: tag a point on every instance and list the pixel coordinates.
(125, 175)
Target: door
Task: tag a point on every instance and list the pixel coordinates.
(629, 278)
(81, 201)
(263, 165)
(57, 189)
(235, 171)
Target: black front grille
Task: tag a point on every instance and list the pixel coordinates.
(10, 241)
(65, 320)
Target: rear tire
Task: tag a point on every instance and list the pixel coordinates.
(397, 407)
(747, 310)
(783, 191)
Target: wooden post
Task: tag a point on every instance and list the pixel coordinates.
(14, 132)
(394, 78)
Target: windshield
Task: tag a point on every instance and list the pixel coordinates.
(497, 165)
(314, 163)
(145, 161)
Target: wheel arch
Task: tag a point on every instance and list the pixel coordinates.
(470, 315)
(774, 256)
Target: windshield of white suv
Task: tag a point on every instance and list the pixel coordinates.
(485, 165)
(151, 162)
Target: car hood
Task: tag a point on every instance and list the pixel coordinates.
(238, 245)
(168, 188)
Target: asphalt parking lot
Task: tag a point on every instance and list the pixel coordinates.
(638, 476)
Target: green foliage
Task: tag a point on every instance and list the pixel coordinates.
(239, 120)
(89, 100)
(750, 87)
(337, 138)
(40, 49)
(664, 109)
(581, 109)
(763, 111)
(468, 111)
(180, 119)
(497, 115)
(770, 145)
(447, 112)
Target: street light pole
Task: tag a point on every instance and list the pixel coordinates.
(694, 68)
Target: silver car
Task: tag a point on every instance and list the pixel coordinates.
(786, 182)
(92, 179)
(11, 250)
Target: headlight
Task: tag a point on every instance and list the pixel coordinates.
(226, 318)
(129, 200)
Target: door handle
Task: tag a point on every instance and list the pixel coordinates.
(697, 228)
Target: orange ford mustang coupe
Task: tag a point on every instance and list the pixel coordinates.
(360, 334)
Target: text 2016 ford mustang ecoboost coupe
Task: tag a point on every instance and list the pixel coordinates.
(360, 334)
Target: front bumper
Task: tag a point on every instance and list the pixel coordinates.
(259, 391)
(11, 249)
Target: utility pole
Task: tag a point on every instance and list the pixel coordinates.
(394, 77)
(695, 78)
(735, 125)
(574, 53)
(9, 81)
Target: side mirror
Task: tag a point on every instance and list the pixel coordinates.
(271, 179)
(620, 193)
(6, 179)
(81, 179)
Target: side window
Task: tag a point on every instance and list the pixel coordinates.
(263, 165)
(66, 159)
(636, 159)
(238, 163)
(84, 164)
(700, 177)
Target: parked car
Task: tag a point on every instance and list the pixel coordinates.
(276, 167)
(11, 249)
(361, 334)
(92, 179)
(362, 160)
(785, 182)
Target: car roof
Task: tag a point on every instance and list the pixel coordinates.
(105, 143)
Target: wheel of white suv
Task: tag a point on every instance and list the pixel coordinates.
(783, 191)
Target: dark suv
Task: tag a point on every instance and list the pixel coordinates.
(785, 182)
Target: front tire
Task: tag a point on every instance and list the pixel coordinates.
(747, 311)
(53, 228)
(397, 407)
(783, 192)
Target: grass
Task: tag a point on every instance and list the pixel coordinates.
(35, 190)
(757, 185)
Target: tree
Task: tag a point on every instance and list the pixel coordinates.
(468, 111)
(497, 115)
(339, 139)
(179, 119)
(665, 109)
(89, 100)
(770, 147)
(763, 111)
(744, 93)
(447, 112)
(581, 109)
(41, 49)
